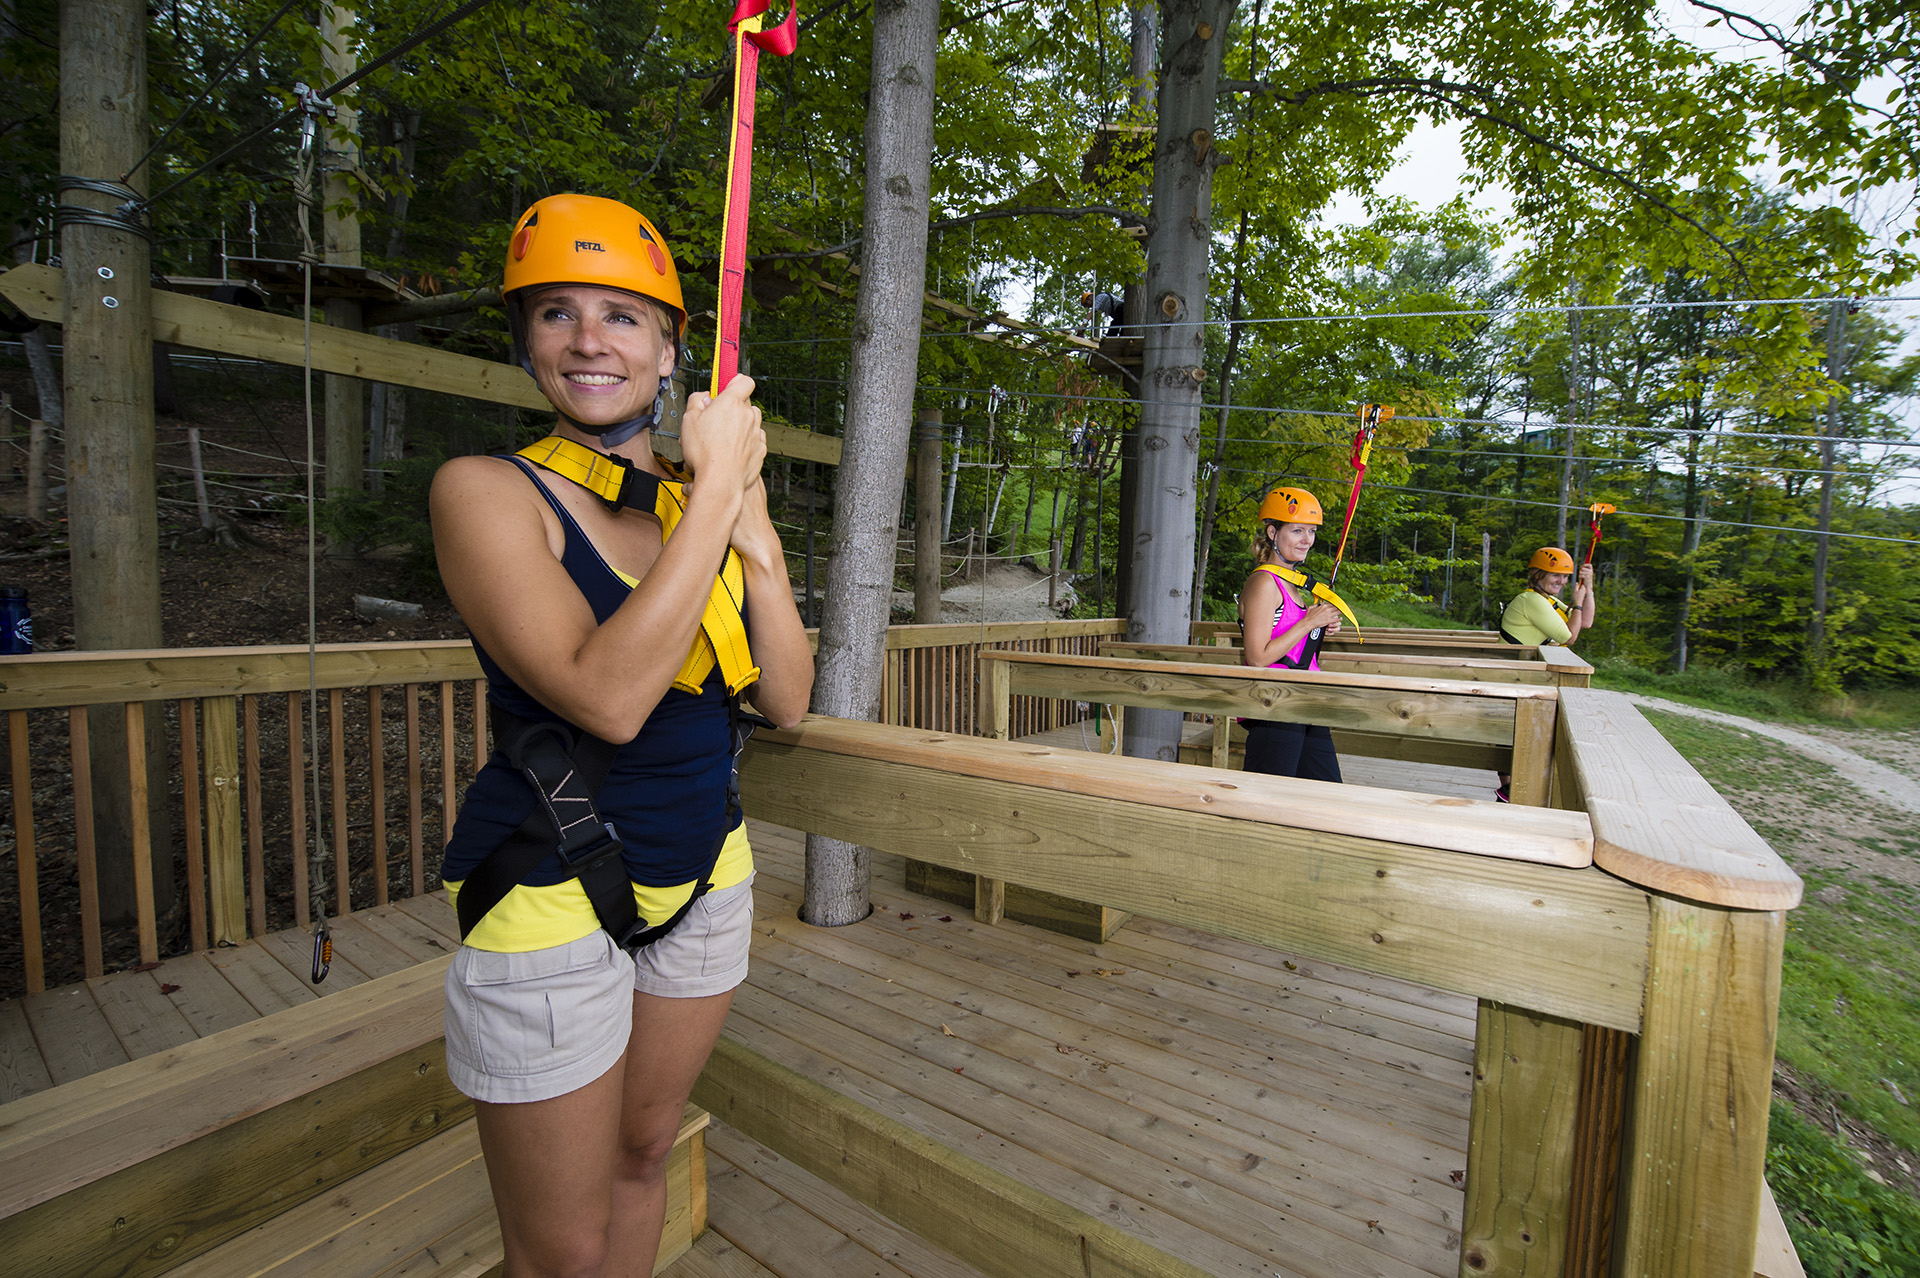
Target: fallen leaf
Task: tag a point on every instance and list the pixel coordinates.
(1073, 973)
(905, 916)
(949, 1033)
(959, 1069)
(1291, 967)
(168, 989)
(946, 918)
(1109, 971)
(1458, 1176)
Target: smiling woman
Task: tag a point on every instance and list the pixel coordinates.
(599, 863)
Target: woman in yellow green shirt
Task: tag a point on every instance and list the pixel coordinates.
(1536, 615)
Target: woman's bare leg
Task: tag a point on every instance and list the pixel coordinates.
(672, 1038)
(551, 1163)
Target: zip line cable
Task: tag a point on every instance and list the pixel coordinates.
(207, 92)
(1041, 330)
(1554, 505)
(1534, 424)
(325, 95)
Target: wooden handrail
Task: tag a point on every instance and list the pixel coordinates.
(945, 634)
(1313, 868)
(1505, 831)
(106, 678)
(1656, 821)
(1131, 670)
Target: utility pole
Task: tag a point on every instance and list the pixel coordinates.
(1836, 366)
(107, 335)
(1573, 415)
(339, 144)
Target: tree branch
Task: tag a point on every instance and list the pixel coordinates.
(1438, 91)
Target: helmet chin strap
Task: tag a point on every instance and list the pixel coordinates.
(620, 432)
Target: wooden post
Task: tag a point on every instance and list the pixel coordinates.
(199, 478)
(1533, 722)
(1053, 573)
(1222, 741)
(226, 872)
(36, 470)
(107, 334)
(1526, 1085)
(926, 518)
(1697, 1131)
(340, 243)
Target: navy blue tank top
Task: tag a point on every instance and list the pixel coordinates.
(666, 793)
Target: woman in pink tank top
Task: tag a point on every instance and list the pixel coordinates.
(1283, 625)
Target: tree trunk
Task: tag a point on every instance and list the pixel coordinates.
(46, 378)
(346, 407)
(1836, 365)
(926, 521)
(113, 519)
(880, 387)
(1172, 371)
(1142, 74)
(1695, 509)
(1220, 434)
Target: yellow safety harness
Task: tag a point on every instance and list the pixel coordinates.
(1316, 589)
(621, 484)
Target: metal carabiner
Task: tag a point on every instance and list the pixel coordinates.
(322, 950)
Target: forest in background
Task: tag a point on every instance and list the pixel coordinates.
(1700, 421)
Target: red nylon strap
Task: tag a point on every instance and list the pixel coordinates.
(1594, 528)
(747, 44)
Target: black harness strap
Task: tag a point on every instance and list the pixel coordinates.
(566, 768)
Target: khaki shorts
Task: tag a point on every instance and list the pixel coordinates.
(539, 1024)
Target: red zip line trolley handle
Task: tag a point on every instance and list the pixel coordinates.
(1598, 509)
(750, 36)
(1371, 415)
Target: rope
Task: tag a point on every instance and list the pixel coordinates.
(316, 894)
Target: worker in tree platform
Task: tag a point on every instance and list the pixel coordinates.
(1283, 624)
(1536, 615)
(599, 864)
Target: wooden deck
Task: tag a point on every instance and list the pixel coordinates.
(1247, 1111)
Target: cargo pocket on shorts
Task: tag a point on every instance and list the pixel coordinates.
(534, 1012)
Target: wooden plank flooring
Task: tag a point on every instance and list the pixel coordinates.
(1250, 1111)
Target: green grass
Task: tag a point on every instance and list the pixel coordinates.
(1403, 612)
(1843, 1224)
(1780, 700)
(1849, 1008)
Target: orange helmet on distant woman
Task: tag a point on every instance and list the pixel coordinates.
(1551, 559)
(1291, 506)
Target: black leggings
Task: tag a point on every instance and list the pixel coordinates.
(1291, 750)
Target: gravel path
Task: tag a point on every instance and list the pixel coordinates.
(1894, 788)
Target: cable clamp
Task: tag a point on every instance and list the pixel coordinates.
(129, 215)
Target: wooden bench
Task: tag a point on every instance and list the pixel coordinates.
(325, 1138)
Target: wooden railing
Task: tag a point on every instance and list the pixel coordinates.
(1625, 949)
(1499, 726)
(237, 785)
(233, 785)
(933, 672)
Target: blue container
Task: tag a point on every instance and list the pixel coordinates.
(16, 622)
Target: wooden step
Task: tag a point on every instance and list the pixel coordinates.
(428, 1211)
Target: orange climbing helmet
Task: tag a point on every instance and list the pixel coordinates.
(1291, 506)
(1551, 559)
(585, 239)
